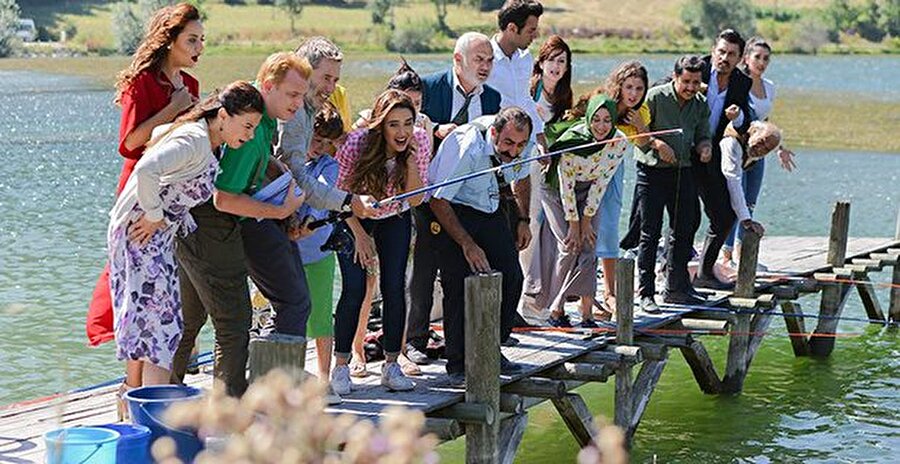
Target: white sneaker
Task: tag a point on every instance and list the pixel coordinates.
(340, 380)
(392, 377)
(332, 398)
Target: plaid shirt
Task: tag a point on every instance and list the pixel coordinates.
(351, 150)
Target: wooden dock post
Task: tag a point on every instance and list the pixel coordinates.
(894, 306)
(834, 295)
(482, 308)
(265, 355)
(624, 337)
(739, 345)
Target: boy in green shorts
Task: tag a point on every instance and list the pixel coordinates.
(319, 264)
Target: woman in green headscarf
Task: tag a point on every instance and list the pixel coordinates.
(570, 196)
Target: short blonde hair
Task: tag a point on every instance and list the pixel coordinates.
(277, 66)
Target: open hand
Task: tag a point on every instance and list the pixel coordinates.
(142, 230)
(478, 261)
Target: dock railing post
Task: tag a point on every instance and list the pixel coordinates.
(894, 306)
(821, 344)
(482, 312)
(624, 336)
(739, 343)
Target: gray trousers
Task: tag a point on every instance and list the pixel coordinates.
(213, 277)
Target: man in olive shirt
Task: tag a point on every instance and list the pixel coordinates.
(664, 181)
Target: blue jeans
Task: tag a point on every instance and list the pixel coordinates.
(752, 183)
(391, 236)
(609, 211)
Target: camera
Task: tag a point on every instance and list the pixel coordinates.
(340, 241)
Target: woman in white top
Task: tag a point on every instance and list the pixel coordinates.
(757, 54)
(175, 174)
(551, 79)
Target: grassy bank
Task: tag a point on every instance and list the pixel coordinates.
(598, 26)
(809, 120)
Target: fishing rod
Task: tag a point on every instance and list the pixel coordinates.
(463, 178)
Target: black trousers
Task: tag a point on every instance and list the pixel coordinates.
(490, 232)
(672, 190)
(713, 190)
(424, 271)
(274, 264)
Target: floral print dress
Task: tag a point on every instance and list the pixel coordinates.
(144, 280)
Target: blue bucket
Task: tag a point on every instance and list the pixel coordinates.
(81, 445)
(147, 406)
(134, 443)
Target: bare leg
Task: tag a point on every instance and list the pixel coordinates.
(586, 306)
(609, 283)
(324, 345)
(359, 353)
(155, 375)
(133, 371)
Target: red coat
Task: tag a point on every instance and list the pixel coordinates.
(147, 95)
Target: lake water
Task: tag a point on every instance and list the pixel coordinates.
(58, 169)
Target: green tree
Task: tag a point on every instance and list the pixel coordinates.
(382, 11)
(706, 18)
(129, 19)
(293, 8)
(9, 24)
(440, 7)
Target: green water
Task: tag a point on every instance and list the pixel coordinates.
(58, 169)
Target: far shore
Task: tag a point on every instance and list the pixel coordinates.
(810, 120)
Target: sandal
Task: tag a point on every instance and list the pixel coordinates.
(358, 368)
(408, 367)
(121, 404)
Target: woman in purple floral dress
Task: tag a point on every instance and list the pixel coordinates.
(175, 174)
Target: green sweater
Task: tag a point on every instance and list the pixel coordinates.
(667, 111)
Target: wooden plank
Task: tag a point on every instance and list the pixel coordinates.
(582, 371)
(443, 429)
(738, 346)
(624, 336)
(537, 387)
(870, 300)
(512, 429)
(746, 279)
(834, 297)
(482, 309)
(840, 231)
(644, 385)
(577, 417)
(796, 327)
(758, 328)
(894, 307)
(702, 366)
(265, 355)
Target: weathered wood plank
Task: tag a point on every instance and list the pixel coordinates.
(624, 336)
(870, 300)
(577, 417)
(644, 385)
(512, 429)
(834, 297)
(796, 327)
(482, 312)
(582, 371)
(894, 307)
(702, 366)
(537, 387)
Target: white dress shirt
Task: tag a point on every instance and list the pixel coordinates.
(733, 170)
(763, 106)
(510, 76)
(716, 101)
(459, 99)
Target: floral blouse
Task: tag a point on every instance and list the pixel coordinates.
(597, 168)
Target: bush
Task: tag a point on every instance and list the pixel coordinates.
(411, 38)
(706, 18)
(128, 28)
(807, 36)
(381, 11)
(9, 24)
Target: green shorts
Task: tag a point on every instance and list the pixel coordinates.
(320, 278)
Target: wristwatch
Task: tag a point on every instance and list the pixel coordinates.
(525, 219)
(345, 206)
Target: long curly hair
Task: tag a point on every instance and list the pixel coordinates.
(561, 99)
(612, 88)
(370, 173)
(163, 29)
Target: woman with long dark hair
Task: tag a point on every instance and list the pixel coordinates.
(387, 157)
(551, 79)
(153, 90)
(175, 174)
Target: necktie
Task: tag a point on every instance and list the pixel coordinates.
(462, 116)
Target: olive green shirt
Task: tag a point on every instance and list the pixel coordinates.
(667, 111)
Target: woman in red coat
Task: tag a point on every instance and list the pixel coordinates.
(152, 91)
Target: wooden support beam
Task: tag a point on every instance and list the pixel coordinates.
(267, 354)
(468, 413)
(654, 351)
(482, 342)
(644, 384)
(582, 372)
(833, 296)
(739, 344)
(894, 307)
(702, 366)
(578, 418)
(870, 301)
(758, 326)
(537, 387)
(871, 264)
(624, 336)
(796, 327)
(512, 429)
(443, 429)
(785, 292)
(633, 356)
(704, 324)
(511, 403)
(887, 259)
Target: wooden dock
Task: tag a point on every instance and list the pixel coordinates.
(491, 410)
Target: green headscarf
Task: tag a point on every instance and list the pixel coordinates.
(579, 133)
